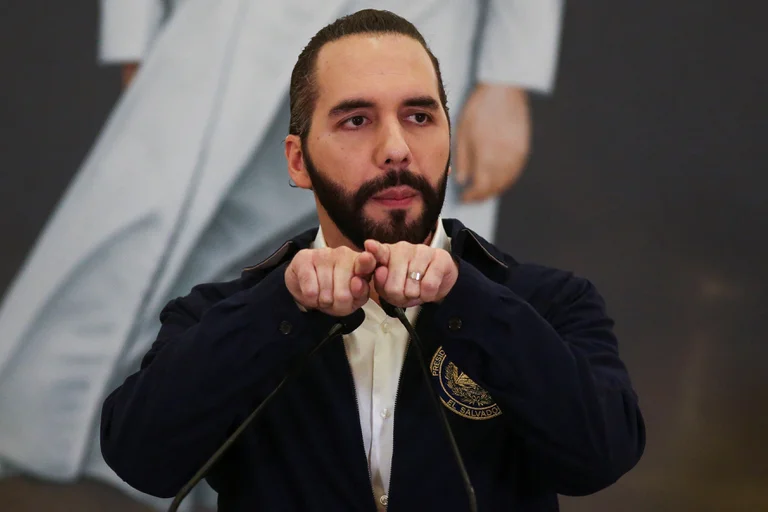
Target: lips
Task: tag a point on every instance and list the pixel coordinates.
(396, 194)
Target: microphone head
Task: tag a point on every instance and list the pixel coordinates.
(352, 321)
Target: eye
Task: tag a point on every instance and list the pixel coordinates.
(420, 118)
(355, 122)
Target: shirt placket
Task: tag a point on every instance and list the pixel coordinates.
(382, 408)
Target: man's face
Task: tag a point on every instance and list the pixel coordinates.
(379, 145)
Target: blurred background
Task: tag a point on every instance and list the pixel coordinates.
(647, 174)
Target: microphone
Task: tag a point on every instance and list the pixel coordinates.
(344, 325)
(399, 313)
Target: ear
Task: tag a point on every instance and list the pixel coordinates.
(294, 154)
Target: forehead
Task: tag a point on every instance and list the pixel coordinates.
(374, 65)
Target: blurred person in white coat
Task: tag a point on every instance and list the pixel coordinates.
(186, 183)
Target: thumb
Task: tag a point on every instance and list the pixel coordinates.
(365, 264)
(380, 251)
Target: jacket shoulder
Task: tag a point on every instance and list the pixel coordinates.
(204, 296)
(551, 290)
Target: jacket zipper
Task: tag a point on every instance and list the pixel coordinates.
(397, 394)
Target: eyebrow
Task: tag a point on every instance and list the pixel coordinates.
(427, 102)
(349, 105)
(346, 106)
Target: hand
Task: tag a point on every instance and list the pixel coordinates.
(395, 263)
(128, 71)
(492, 140)
(334, 281)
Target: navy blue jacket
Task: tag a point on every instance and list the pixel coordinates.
(523, 356)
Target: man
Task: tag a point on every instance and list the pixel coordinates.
(183, 187)
(523, 356)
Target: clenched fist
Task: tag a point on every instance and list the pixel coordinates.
(409, 275)
(334, 281)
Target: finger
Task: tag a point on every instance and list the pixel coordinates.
(324, 270)
(394, 288)
(356, 286)
(365, 264)
(380, 279)
(440, 277)
(419, 263)
(481, 186)
(342, 280)
(430, 283)
(380, 251)
(308, 287)
(360, 291)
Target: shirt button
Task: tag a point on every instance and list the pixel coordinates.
(385, 326)
(286, 327)
(454, 324)
(385, 413)
(384, 500)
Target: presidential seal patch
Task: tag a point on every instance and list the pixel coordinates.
(459, 393)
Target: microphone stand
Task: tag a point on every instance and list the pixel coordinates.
(347, 324)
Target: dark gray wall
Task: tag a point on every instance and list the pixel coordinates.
(648, 176)
(53, 101)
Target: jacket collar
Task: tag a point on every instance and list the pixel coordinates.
(465, 244)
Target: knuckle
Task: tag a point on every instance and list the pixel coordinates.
(343, 252)
(343, 298)
(302, 258)
(322, 256)
(429, 287)
(425, 251)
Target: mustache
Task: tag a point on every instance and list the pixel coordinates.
(393, 178)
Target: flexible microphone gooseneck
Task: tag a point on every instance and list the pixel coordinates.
(344, 326)
(399, 313)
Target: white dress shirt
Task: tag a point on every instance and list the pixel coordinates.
(376, 351)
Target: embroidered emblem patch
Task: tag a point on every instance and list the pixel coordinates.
(459, 393)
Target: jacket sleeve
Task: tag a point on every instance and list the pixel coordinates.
(205, 373)
(519, 43)
(127, 29)
(559, 381)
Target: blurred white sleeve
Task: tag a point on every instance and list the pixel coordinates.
(127, 28)
(520, 43)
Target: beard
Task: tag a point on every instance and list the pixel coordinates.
(346, 208)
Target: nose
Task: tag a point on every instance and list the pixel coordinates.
(392, 150)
